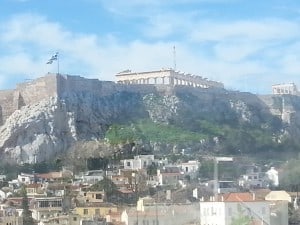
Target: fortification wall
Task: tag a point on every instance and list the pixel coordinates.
(53, 85)
(6, 104)
(37, 90)
(26, 93)
(67, 84)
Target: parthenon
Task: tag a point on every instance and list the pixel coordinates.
(280, 89)
(167, 77)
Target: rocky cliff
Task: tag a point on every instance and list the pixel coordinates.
(45, 117)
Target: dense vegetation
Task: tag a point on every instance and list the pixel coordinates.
(145, 130)
(241, 139)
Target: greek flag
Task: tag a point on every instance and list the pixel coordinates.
(53, 58)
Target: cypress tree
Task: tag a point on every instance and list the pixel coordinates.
(27, 215)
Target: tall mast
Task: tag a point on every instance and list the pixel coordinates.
(57, 53)
(174, 57)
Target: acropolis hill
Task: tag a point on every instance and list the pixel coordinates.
(44, 118)
(53, 85)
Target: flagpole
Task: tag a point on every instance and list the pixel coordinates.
(57, 64)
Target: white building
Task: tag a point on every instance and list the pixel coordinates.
(169, 175)
(138, 162)
(279, 206)
(190, 168)
(25, 178)
(149, 212)
(272, 175)
(45, 208)
(9, 215)
(93, 176)
(234, 206)
(253, 178)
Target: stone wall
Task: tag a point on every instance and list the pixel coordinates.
(53, 85)
(26, 93)
(6, 104)
(38, 89)
(67, 84)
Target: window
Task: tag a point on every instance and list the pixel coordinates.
(128, 163)
(44, 204)
(97, 211)
(85, 211)
(56, 204)
(98, 196)
(74, 218)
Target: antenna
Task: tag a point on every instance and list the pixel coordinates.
(174, 57)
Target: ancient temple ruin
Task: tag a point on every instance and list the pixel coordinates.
(280, 89)
(167, 77)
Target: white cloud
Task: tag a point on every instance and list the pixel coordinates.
(263, 30)
(236, 51)
(238, 56)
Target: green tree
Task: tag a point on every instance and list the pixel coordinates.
(105, 185)
(152, 169)
(206, 170)
(27, 215)
(289, 178)
(241, 218)
(294, 215)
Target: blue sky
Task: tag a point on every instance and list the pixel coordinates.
(247, 45)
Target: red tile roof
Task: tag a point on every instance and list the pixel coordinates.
(239, 197)
(51, 175)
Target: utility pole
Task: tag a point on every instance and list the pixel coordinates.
(156, 210)
(137, 196)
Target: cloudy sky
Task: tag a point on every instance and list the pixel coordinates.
(247, 45)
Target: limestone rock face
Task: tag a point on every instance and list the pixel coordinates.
(43, 130)
(38, 132)
(38, 127)
(161, 108)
